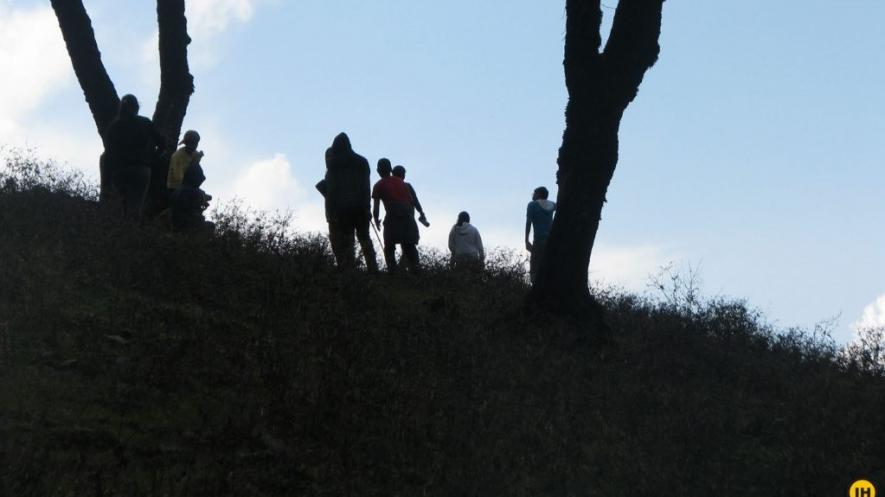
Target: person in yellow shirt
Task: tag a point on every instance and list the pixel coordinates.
(183, 158)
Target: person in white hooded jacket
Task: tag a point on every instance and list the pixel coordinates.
(465, 242)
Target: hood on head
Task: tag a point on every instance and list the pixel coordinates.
(341, 143)
(463, 229)
(545, 204)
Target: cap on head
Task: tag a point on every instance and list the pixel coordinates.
(129, 105)
(541, 192)
(463, 217)
(191, 137)
(384, 166)
(399, 172)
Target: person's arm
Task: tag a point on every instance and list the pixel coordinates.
(452, 240)
(415, 201)
(528, 228)
(376, 212)
(482, 252)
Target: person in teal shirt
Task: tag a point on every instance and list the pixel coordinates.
(538, 217)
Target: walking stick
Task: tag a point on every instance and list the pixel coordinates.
(377, 235)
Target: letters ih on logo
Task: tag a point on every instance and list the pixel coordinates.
(862, 488)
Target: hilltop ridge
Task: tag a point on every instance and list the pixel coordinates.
(137, 362)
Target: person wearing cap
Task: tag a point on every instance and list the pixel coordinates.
(182, 159)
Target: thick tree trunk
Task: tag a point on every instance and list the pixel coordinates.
(176, 88)
(601, 85)
(76, 28)
(176, 81)
(101, 96)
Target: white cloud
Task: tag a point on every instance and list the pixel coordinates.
(206, 20)
(35, 67)
(627, 266)
(33, 54)
(34, 60)
(272, 185)
(873, 315)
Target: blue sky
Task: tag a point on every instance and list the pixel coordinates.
(754, 148)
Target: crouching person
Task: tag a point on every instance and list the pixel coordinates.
(189, 202)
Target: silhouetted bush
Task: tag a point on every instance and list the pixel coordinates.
(134, 361)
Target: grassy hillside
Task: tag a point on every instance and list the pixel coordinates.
(134, 362)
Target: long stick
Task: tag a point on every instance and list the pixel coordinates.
(377, 235)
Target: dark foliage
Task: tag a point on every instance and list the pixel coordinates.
(135, 362)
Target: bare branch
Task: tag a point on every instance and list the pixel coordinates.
(633, 47)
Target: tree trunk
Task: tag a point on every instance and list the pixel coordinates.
(176, 88)
(601, 85)
(176, 82)
(101, 96)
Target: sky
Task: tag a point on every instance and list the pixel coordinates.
(752, 154)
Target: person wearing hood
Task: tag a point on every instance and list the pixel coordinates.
(539, 217)
(346, 192)
(189, 201)
(131, 145)
(465, 243)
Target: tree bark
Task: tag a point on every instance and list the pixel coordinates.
(600, 85)
(76, 28)
(176, 88)
(176, 81)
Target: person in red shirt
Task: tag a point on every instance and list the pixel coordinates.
(399, 217)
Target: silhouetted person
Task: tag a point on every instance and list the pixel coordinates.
(131, 145)
(346, 192)
(188, 201)
(183, 158)
(400, 172)
(466, 244)
(539, 216)
(399, 217)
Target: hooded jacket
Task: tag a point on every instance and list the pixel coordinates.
(132, 142)
(347, 178)
(464, 241)
(540, 214)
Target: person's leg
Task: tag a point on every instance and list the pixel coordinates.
(334, 237)
(365, 239)
(410, 253)
(536, 258)
(390, 256)
(136, 181)
(344, 240)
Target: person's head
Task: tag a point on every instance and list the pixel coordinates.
(399, 172)
(384, 167)
(191, 140)
(128, 106)
(463, 217)
(341, 143)
(540, 193)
